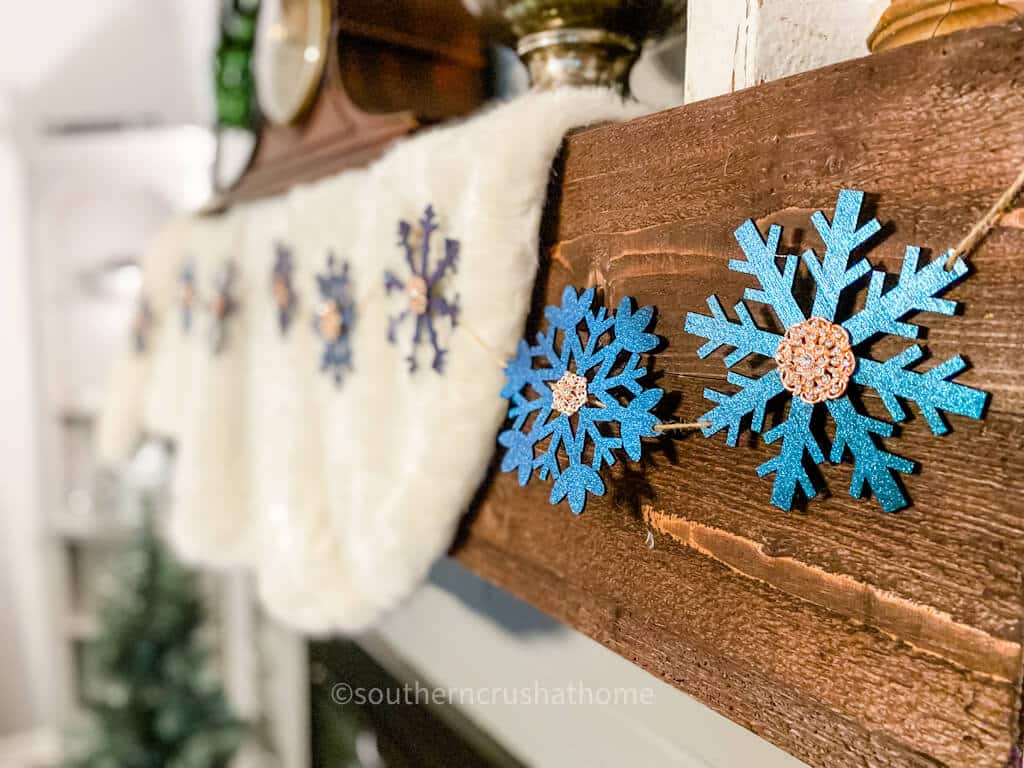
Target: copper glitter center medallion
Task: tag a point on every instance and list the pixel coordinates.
(330, 323)
(815, 360)
(416, 293)
(569, 393)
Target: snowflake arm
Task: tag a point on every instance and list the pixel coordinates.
(449, 262)
(637, 421)
(776, 287)
(753, 398)
(392, 282)
(933, 390)
(871, 464)
(745, 337)
(631, 327)
(788, 466)
(428, 225)
(841, 238)
(404, 233)
(520, 453)
(520, 373)
(916, 291)
(575, 483)
(394, 323)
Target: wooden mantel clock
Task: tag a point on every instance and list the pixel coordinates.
(339, 80)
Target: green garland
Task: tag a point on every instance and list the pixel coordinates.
(236, 93)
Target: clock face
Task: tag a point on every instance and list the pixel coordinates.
(291, 50)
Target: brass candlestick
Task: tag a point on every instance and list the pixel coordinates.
(578, 42)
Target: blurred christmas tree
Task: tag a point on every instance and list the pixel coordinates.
(154, 702)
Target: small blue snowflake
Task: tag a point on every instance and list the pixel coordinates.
(334, 318)
(420, 287)
(189, 295)
(564, 378)
(810, 374)
(281, 284)
(223, 306)
(142, 325)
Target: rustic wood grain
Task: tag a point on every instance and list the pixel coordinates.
(844, 635)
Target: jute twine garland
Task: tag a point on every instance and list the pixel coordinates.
(964, 249)
(671, 427)
(981, 230)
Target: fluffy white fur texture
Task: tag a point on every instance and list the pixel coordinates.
(303, 573)
(341, 498)
(211, 522)
(131, 393)
(391, 460)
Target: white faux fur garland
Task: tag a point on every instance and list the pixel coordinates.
(341, 479)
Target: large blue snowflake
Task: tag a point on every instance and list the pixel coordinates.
(420, 287)
(564, 388)
(885, 309)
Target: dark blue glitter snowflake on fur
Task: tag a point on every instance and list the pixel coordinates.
(223, 306)
(568, 386)
(823, 351)
(420, 288)
(189, 295)
(334, 318)
(285, 298)
(142, 325)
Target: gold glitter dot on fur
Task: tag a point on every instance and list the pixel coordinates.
(282, 293)
(815, 360)
(416, 292)
(329, 321)
(569, 393)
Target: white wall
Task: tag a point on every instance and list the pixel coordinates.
(25, 630)
(66, 205)
(111, 59)
(736, 44)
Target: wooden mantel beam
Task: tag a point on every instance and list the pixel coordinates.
(844, 635)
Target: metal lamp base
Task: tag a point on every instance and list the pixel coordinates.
(578, 57)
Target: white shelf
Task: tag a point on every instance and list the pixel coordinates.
(34, 749)
(90, 528)
(82, 627)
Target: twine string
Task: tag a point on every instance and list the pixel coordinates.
(679, 426)
(964, 248)
(484, 345)
(985, 225)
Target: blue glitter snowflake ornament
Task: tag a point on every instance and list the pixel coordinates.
(817, 358)
(421, 287)
(334, 318)
(564, 388)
